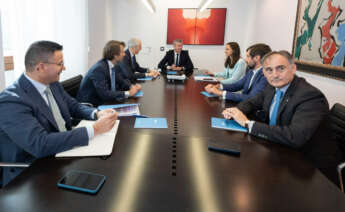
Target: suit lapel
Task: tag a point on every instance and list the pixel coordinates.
(36, 97)
(289, 92)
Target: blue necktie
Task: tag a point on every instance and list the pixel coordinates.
(133, 62)
(113, 79)
(277, 98)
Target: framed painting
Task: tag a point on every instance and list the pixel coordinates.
(197, 28)
(319, 39)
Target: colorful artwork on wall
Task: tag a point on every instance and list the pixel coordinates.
(197, 28)
(319, 41)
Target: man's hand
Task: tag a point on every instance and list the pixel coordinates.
(207, 72)
(216, 91)
(134, 89)
(105, 112)
(138, 86)
(209, 87)
(105, 122)
(235, 114)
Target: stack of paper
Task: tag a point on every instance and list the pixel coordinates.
(99, 145)
(176, 77)
(205, 78)
(123, 109)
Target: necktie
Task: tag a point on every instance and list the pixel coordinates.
(276, 103)
(251, 79)
(55, 110)
(133, 62)
(177, 59)
(113, 88)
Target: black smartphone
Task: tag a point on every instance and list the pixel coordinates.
(82, 181)
(227, 147)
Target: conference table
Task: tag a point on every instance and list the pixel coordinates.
(173, 170)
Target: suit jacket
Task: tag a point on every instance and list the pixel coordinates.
(258, 84)
(128, 71)
(95, 87)
(28, 129)
(301, 122)
(184, 59)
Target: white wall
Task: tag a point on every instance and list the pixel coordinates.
(248, 22)
(2, 69)
(131, 19)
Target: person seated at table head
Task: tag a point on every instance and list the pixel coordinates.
(36, 112)
(235, 66)
(291, 113)
(251, 84)
(131, 70)
(177, 60)
(103, 83)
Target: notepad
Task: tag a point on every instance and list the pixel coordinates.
(100, 145)
(227, 124)
(123, 109)
(145, 79)
(150, 123)
(208, 94)
(172, 72)
(139, 94)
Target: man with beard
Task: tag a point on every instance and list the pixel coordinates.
(251, 84)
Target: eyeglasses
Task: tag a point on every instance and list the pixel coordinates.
(61, 64)
(280, 69)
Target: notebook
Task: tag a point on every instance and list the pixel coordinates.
(227, 124)
(208, 94)
(150, 123)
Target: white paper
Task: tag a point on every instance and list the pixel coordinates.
(99, 145)
(205, 78)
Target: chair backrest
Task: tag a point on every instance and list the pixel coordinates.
(337, 124)
(72, 85)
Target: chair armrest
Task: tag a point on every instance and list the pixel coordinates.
(23, 165)
(340, 168)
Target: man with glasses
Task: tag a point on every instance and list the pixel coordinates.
(292, 113)
(36, 112)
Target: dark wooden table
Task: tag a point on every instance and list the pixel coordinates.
(172, 169)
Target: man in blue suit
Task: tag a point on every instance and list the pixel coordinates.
(36, 112)
(251, 84)
(103, 82)
(129, 66)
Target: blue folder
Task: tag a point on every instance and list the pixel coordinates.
(103, 107)
(172, 72)
(208, 94)
(139, 94)
(150, 123)
(227, 124)
(145, 79)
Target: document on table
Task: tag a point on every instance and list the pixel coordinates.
(145, 79)
(100, 145)
(150, 123)
(123, 109)
(139, 94)
(205, 78)
(227, 124)
(172, 72)
(208, 94)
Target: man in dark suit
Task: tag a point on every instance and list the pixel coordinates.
(103, 82)
(251, 84)
(129, 66)
(177, 60)
(292, 113)
(36, 112)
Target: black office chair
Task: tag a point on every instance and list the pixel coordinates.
(337, 125)
(72, 85)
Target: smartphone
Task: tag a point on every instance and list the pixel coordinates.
(225, 147)
(82, 181)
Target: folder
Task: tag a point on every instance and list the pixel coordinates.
(100, 145)
(227, 124)
(139, 94)
(150, 123)
(208, 94)
(123, 109)
(145, 79)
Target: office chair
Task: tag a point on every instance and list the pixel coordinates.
(337, 125)
(72, 85)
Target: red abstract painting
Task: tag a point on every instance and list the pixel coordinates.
(197, 28)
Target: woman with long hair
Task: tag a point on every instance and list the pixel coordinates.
(235, 66)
